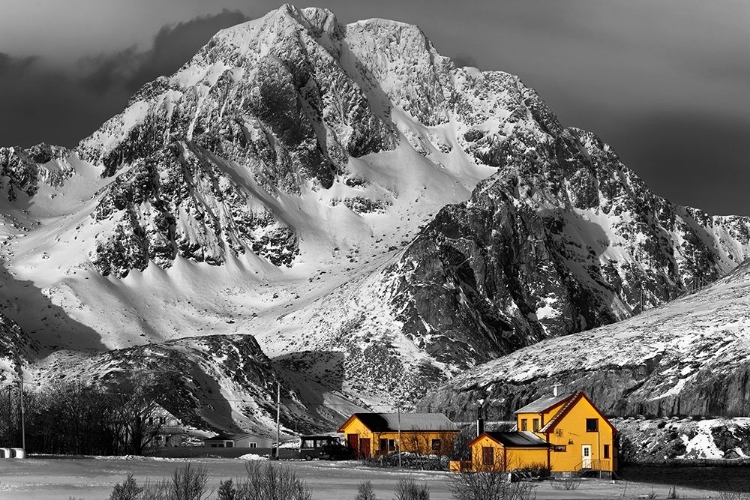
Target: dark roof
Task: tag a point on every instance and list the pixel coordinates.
(543, 404)
(522, 439)
(410, 422)
(225, 436)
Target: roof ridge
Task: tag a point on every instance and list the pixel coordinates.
(575, 397)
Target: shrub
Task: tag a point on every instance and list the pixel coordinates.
(488, 486)
(267, 482)
(733, 495)
(128, 490)
(189, 483)
(226, 490)
(365, 491)
(568, 484)
(407, 489)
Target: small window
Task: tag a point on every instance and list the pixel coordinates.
(560, 448)
(535, 424)
(391, 444)
(383, 445)
(436, 445)
(524, 425)
(488, 455)
(230, 444)
(606, 451)
(253, 445)
(592, 424)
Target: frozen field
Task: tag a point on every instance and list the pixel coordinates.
(94, 478)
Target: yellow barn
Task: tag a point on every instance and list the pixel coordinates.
(568, 433)
(371, 435)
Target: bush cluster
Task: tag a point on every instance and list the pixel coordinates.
(265, 481)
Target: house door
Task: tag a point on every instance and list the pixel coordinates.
(364, 447)
(353, 442)
(586, 456)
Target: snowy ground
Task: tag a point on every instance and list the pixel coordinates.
(93, 479)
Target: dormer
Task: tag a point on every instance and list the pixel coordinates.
(535, 415)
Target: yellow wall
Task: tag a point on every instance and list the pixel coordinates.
(415, 442)
(543, 417)
(571, 433)
(506, 459)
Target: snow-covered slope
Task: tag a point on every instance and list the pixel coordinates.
(375, 217)
(688, 357)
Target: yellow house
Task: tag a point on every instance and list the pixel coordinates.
(371, 435)
(569, 429)
(505, 451)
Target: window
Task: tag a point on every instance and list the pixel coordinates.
(436, 445)
(606, 451)
(560, 447)
(524, 426)
(230, 444)
(535, 424)
(488, 455)
(592, 424)
(253, 445)
(387, 445)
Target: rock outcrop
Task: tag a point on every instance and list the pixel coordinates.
(688, 357)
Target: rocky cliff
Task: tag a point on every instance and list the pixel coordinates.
(688, 357)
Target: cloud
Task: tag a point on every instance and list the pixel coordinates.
(172, 47)
(464, 60)
(691, 159)
(44, 103)
(18, 65)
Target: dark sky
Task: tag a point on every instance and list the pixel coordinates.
(665, 82)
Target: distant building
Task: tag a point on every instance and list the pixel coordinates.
(371, 435)
(227, 440)
(168, 430)
(564, 433)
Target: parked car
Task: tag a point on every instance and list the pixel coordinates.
(313, 446)
(336, 451)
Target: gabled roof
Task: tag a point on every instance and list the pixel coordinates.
(560, 415)
(410, 422)
(544, 404)
(226, 436)
(522, 439)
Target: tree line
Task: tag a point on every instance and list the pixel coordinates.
(75, 418)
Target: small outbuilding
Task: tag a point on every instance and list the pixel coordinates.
(227, 440)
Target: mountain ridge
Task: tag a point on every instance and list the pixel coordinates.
(342, 193)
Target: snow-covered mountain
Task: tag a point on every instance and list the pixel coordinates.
(375, 217)
(688, 357)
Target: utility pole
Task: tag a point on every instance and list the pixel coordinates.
(278, 419)
(398, 409)
(10, 414)
(23, 425)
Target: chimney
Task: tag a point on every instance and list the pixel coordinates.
(480, 422)
(554, 389)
